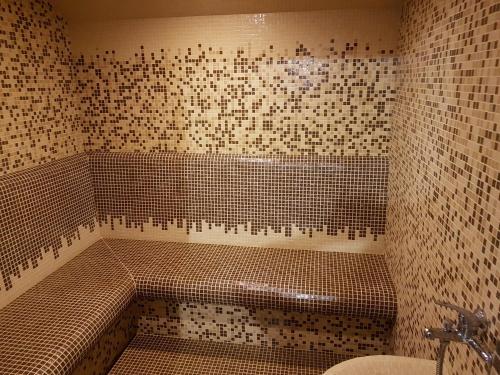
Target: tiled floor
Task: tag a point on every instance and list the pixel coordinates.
(163, 355)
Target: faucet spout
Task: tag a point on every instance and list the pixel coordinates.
(484, 354)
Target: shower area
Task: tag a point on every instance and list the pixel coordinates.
(269, 187)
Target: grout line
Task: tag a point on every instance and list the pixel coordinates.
(123, 264)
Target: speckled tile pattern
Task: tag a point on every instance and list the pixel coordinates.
(299, 280)
(330, 96)
(50, 328)
(265, 327)
(443, 213)
(38, 109)
(162, 355)
(41, 207)
(311, 193)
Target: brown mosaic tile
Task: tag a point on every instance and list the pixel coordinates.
(39, 208)
(311, 193)
(104, 353)
(210, 99)
(60, 324)
(443, 213)
(310, 281)
(49, 329)
(164, 355)
(64, 322)
(264, 327)
(38, 110)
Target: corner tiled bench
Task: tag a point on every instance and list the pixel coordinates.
(49, 329)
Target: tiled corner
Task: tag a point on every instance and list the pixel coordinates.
(443, 221)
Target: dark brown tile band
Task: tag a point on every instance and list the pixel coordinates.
(105, 352)
(51, 327)
(311, 193)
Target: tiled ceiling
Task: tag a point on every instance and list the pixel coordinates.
(101, 10)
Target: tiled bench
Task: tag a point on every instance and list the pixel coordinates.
(294, 280)
(49, 329)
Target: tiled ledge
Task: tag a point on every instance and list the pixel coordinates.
(297, 280)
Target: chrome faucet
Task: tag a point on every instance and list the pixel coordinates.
(469, 329)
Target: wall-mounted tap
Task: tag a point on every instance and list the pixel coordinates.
(469, 329)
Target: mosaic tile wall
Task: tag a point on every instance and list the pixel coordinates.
(443, 222)
(47, 216)
(330, 96)
(319, 197)
(265, 328)
(38, 116)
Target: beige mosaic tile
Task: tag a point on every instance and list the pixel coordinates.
(265, 328)
(443, 214)
(379, 27)
(330, 96)
(38, 116)
(239, 235)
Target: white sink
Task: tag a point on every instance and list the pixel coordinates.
(384, 365)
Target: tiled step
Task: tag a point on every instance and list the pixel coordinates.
(153, 355)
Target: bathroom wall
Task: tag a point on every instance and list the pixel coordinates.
(47, 213)
(267, 86)
(38, 113)
(264, 84)
(443, 222)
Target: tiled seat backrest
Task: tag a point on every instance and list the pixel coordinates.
(44, 210)
(308, 194)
